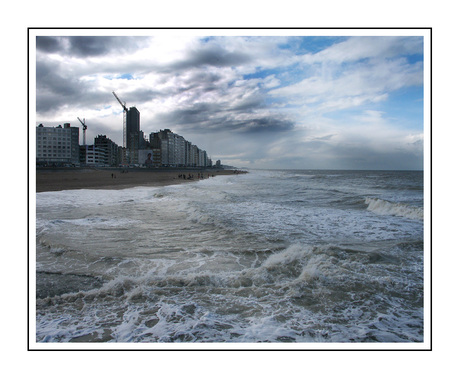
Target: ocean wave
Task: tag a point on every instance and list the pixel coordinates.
(256, 258)
(288, 295)
(384, 207)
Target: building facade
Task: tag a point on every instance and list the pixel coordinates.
(111, 150)
(150, 158)
(57, 145)
(91, 155)
(132, 135)
(176, 151)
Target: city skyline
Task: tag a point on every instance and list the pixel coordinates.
(59, 146)
(252, 101)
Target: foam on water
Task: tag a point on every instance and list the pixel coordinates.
(283, 297)
(383, 207)
(267, 256)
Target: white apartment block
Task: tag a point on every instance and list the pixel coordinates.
(57, 145)
(176, 151)
(94, 156)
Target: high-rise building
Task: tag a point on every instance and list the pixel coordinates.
(167, 147)
(202, 158)
(176, 151)
(193, 156)
(57, 145)
(155, 141)
(132, 132)
(110, 148)
(188, 147)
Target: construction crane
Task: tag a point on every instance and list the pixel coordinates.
(84, 130)
(125, 112)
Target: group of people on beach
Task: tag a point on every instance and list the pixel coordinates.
(191, 177)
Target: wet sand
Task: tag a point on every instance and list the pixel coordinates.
(65, 179)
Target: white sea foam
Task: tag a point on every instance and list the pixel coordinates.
(248, 258)
(290, 254)
(383, 207)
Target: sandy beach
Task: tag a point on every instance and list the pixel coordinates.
(66, 179)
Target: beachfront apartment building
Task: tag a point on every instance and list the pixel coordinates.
(57, 145)
(176, 151)
(167, 148)
(173, 147)
(91, 155)
(193, 156)
(202, 158)
(110, 148)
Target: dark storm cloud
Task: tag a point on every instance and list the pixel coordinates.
(212, 55)
(195, 116)
(88, 46)
(94, 46)
(56, 90)
(49, 79)
(268, 124)
(48, 44)
(211, 117)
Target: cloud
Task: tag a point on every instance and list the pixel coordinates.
(358, 48)
(88, 46)
(265, 101)
(211, 55)
(48, 44)
(55, 89)
(355, 85)
(213, 117)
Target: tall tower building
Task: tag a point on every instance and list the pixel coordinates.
(133, 123)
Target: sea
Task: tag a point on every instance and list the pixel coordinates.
(270, 256)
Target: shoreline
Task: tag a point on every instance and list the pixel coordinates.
(60, 179)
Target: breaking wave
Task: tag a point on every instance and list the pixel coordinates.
(272, 256)
(384, 207)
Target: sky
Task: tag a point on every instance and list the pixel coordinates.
(287, 101)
